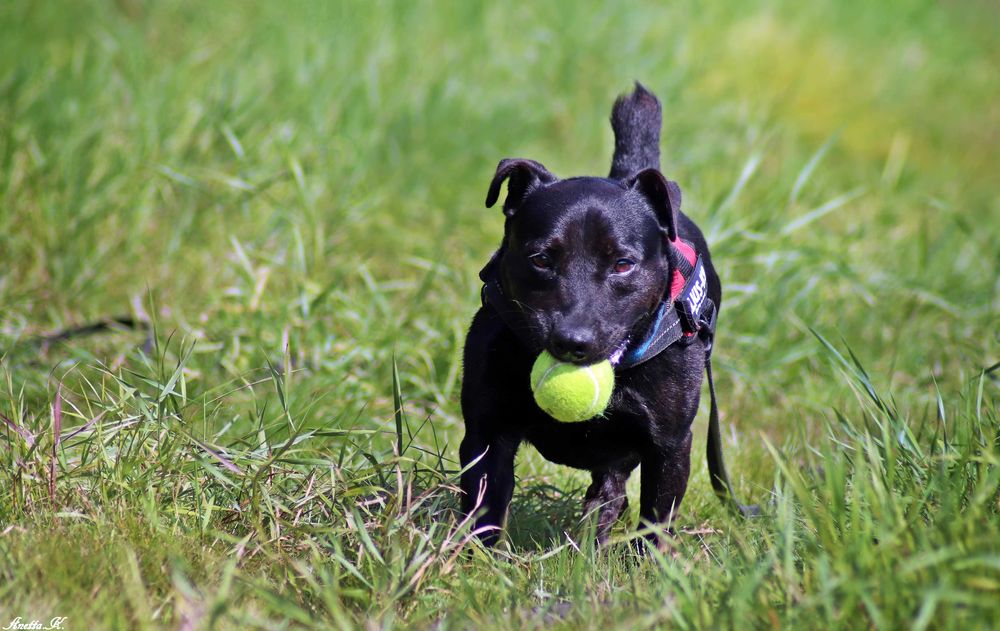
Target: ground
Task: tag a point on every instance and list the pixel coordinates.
(291, 196)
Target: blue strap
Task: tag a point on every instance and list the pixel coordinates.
(665, 330)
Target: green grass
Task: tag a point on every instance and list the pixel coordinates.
(292, 194)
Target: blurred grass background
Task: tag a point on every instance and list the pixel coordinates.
(292, 194)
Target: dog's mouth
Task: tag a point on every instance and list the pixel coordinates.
(614, 354)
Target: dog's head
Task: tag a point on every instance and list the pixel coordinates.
(584, 259)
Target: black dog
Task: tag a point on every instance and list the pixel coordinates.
(589, 269)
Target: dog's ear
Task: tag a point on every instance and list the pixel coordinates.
(663, 195)
(525, 176)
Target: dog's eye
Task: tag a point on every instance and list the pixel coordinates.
(541, 261)
(623, 266)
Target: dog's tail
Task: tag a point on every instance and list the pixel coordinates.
(636, 120)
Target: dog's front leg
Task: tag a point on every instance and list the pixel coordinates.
(488, 484)
(666, 465)
(606, 499)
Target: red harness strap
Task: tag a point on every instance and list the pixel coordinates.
(678, 280)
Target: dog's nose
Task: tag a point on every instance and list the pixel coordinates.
(572, 345)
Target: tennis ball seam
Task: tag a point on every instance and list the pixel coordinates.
(591, 411)
(545, 375)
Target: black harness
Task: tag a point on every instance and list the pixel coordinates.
(685, 313)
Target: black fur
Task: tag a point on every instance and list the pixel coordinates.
(636, 121)
(580, 310)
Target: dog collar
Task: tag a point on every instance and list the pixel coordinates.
(685, 312)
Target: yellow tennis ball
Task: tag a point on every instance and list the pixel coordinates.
(568, 392)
